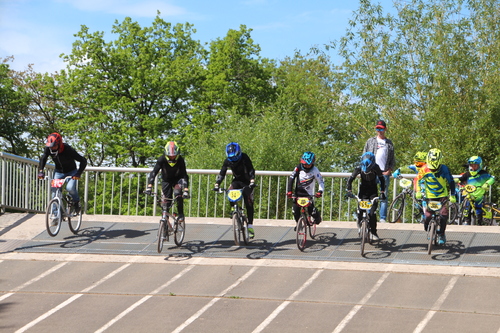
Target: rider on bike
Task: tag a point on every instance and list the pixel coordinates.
(174, 176)
(305, 176)
(482, 180)
(64, 157)
(369, 172)
(437, 183)
(243, 178)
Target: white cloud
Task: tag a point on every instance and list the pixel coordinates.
(134, 8)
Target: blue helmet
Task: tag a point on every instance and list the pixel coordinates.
(307, 160)
(475, 160)
(367, 161)
(233, 152)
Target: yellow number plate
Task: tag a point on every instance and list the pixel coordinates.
(470, 188)
(405, 183)
(365, 204)
(302, 202)
(234, 195)
(435, 205)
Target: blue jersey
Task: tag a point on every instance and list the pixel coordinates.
(437, 184)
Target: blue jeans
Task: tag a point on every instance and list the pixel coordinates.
(71, 186)
(383, 203)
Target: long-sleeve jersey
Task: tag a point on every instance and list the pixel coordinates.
(368, 186)
(305, 181)
(242, 169)
(481, 178)
(437, 184)
(64, 161)
(170, 174)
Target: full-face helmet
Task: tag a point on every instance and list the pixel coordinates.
(475, 165)
(419, 158)
(55, 143)
(307, 160)
(172, 152)
(434, 158)
(233, 152)
(367, 161)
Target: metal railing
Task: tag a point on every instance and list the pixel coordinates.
(119, 191)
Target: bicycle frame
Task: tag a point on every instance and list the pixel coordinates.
(435, 207)
(397, 207)
(305, 221)
(468, 209)
(240, 228)
(364, 231)
(60, 208)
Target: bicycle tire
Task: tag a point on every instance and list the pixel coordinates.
(453, 213)
(312, 229)
(162, 234)
(431, 235)
(364, 235)
(244, 230)
(462, 211)
(76, 222)
(396, 208)
(236, 227)
(54, 204)
(179, 231)
(301, 236)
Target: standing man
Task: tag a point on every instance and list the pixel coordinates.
(383, 149)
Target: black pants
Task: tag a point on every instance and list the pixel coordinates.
(175, 186)
(372, 214)
(311, 210)
(443, 221)
(247, 198)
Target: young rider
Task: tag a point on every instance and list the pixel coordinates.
(64, 157)
(370, 172)
(243, 177)
(437, 183)
(305, 176)
(482, 180)
(174, 176)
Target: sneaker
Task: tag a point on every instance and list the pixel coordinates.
(251, 233)
(375, 236)
(382, 221)
(77, 207)
(318, 221)
(180, 218)
(441, 239)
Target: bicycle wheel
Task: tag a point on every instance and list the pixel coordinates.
(301, 233)
(236, 228)
(76, 221)
(53, 216)
(162, 234)
(312, 228)
(431, 235)
(396, 208)
(364, 235)
(463, 211)
(453, 213)
(244, 230)
(179, 231)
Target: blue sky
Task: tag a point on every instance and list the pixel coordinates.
(38, 31)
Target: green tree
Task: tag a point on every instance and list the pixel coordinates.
(125, 94)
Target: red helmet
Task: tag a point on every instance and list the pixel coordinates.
(55, 143)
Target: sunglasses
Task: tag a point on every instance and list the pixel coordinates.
(380, 129)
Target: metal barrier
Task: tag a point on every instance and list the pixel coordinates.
(118, 191)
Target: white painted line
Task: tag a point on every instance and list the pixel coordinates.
(436, 305)
(144, 299)
(71, 299)
(213, 301)
(357, 307)
(283, 305)
(35, 279)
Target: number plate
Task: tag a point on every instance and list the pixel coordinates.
(234, 195)
(303, 202)
(405, 183)
(470, 188)
(435, 205)
(365, 204)
(57, 183)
